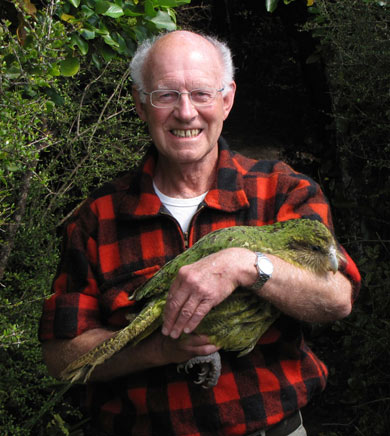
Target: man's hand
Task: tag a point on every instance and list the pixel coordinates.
(185, 348)
(202, 285)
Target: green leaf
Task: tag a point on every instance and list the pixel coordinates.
(114, 11)
(107, 53)
(87, 34)
(30, 91)
(90, 3)
(54, 96)
(271, 5)
(163, 21)
(110, 41)
(172, 14)
(49, 106)
(67, 18)
(101, 7)
(12, 168)
(13, 72)
(40, 81)
(96, 61)
(75, 3)
(122, 47)
(54, 70)
(87, 12)
(171, 3)
(102, 30)
(69, 67)
(132, 11)
(149, 8)
(80, 42)
(140, 32)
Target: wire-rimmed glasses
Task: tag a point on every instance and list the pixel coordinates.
(168, 98)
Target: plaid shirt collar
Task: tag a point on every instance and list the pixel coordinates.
(229, 199)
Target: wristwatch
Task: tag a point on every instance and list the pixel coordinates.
(264, 268)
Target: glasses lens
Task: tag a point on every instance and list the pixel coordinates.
(203, 97)
(164, 98)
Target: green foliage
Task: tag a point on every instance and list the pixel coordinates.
(357, 62)
(106, 29)
(354, 45)
(61, 138)
(94, 136)
(55, 38)
(271, 5)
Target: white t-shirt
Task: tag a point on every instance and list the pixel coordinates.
(183, 209)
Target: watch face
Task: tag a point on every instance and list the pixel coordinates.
(265, 265)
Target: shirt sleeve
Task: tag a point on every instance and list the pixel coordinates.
(76, 302)
(73, 307)
(298, 196)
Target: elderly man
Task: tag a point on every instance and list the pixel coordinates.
(189, 184)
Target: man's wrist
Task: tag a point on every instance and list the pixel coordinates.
(264, 268)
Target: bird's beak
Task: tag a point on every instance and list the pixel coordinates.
(333, 260)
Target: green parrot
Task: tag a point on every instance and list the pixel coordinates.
(238, 322)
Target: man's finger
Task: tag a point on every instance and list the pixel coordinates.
(175, 301)
(201, 311)
(189, 317)
(178, 316)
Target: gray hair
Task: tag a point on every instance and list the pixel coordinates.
(138, 61)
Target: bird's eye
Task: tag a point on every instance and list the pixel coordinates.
(316, 248)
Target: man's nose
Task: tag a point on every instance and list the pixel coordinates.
(184, 107)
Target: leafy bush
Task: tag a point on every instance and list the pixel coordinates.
(353, 38)
(61, 138)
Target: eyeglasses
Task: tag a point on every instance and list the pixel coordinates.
(167, 98)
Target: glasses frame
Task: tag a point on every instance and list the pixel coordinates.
(179, 94)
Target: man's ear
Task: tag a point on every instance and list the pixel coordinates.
(228, 99)
(139, 106)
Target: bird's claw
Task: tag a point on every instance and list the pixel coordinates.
(210, 369)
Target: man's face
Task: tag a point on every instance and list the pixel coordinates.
(185, 133)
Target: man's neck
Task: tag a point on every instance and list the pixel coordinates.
(184, 181)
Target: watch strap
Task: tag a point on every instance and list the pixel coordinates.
(263, 276)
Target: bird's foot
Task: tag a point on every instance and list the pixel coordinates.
(210, 369)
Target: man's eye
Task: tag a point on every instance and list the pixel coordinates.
(166, 96)
(201, 95)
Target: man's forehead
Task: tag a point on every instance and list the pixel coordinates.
(199, 82)
(183, 55)
(181, 37)
(193, 46)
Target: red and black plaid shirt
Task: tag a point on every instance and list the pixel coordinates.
(121, 236)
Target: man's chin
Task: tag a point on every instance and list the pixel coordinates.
(189, 154)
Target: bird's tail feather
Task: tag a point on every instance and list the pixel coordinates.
(144, 324)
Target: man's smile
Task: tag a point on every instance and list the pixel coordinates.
(188, 133)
